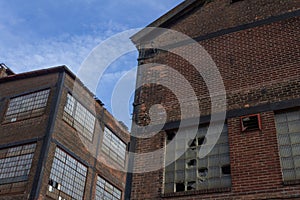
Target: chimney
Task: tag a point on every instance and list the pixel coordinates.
(5, 71)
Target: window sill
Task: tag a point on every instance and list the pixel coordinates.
(292, 182)
(6, 122)
(195, 192)
(13, 180)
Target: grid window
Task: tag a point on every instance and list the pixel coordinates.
(27, 106)
(67, 176)
(288, 134)
(15, 162)
(114, 147)
(79, 117)
(105, 190)
(190, 172)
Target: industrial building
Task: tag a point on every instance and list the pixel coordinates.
(255, 47)
(57, 140)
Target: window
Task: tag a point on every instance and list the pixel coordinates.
(79, 117)
(190, 172)
(288, 134)
(113, 146)
(26, 106)
(67, 178)
(15, 163)
(105, 190)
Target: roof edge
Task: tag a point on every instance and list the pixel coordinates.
(41, 72)
(174, 13)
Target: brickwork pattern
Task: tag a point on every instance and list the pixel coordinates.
(259, 66)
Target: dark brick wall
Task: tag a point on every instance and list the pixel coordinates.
(32, 129)
(259, 66)
(65, 136)
(216, 15)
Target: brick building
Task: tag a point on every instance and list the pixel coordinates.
(255, 46)
(57, 140)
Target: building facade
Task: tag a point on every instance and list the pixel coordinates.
(57, 140)
(255, 47)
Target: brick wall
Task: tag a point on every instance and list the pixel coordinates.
(25, 130)
(65, 136)
(259, 65)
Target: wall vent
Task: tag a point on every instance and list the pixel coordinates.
(251, 122)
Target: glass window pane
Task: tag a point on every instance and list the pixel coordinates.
(113, 146)
(192, 173)
(25, 106)
(67, 175)
(288, 135)
(79, 117)
(104, 188)
(17, 162)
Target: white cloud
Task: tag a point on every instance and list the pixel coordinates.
(69, 50)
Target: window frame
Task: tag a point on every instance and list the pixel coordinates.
(27, 113)
(64, 168)
(72, 117)
(98, 185)
(110, 148)
(200, 172)
(285, 142)
(22, 155)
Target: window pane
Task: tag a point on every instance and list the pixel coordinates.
(67, 175)
(26, 106)
(189, 172)
(16, 162)
(79, 117)
(105, 190)
(288, 135)
(113, 146)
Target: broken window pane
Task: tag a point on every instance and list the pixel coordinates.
(180, 187)
(67, 176)
(226, 169)
(191, 185)
(194, 173)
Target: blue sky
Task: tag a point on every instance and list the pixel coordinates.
(46, 33)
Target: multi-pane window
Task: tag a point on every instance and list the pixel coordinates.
(15, 162)
(105, 190)
(79, 117)
(190, 172)
(67, 178)
(27, 106)
(114, 147)
(288, 134)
